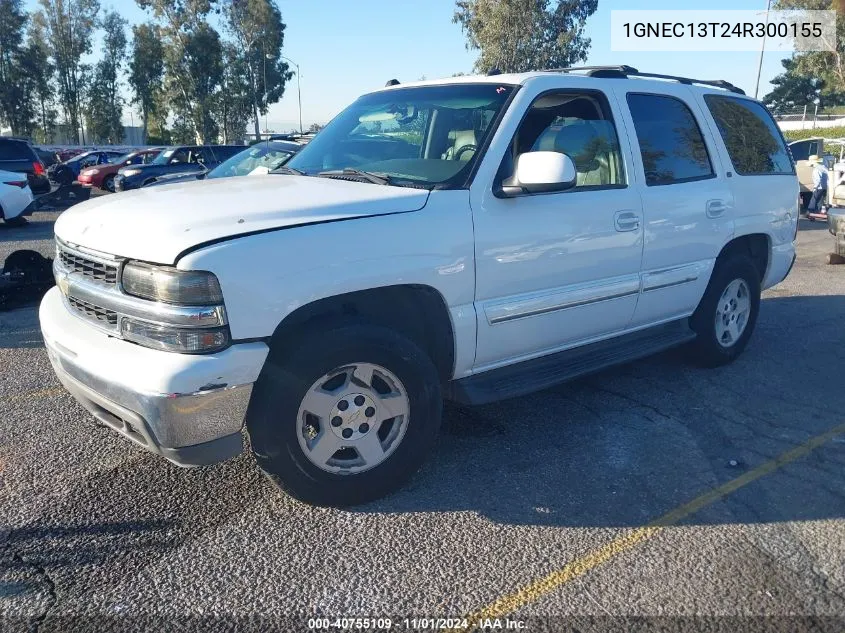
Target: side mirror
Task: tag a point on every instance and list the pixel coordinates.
(539, 172)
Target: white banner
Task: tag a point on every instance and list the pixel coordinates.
(704, 31)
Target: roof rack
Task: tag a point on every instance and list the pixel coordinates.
(623, 72)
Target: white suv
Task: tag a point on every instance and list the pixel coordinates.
(475, 238)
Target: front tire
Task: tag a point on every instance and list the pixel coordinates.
(727, 313)
(345, 414)
(108, 184)
(16, 221)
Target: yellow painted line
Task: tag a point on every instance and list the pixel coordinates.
(535, 590)
(35, 393)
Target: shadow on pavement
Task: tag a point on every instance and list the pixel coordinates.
(619, 448)
(625, 446)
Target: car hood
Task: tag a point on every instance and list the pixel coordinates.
(161, 169)
(157, 224)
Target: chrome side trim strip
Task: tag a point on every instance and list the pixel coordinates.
(669, 277)
(561, 299)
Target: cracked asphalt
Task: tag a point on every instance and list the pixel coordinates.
(538, 503)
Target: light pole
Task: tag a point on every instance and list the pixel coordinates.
(762, 50)
(266, 104)
(298, 90)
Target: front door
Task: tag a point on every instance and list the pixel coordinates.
(558, 269)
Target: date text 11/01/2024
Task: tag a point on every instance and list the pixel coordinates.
(416, 624)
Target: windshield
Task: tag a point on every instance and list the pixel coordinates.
(121, 159)
(80, 157)
(166, 155)
(427, 135)
(259, 155)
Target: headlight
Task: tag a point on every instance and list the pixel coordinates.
(131, 172)
(173, 339)
(169, 285)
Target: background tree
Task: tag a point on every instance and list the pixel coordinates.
(104, 115)
(234, 103)
(257, 29)
(522, 35)
(794, 89)
(192, 61)
(36, 64)
(68, 26)
(829, 66)
(15, 106)
(146, 69)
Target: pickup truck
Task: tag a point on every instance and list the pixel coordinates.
(471, 239)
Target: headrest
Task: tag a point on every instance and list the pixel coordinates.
(580, 142)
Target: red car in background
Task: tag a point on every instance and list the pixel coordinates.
(102, 176)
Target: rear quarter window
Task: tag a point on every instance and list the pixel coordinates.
(753, 140)
(14, 150)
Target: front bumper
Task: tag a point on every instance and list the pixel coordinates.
(836, 226)
(780, 264)
(188, 409)
(122, 183)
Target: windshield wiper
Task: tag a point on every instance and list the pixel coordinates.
(284, 169)
(368, 176)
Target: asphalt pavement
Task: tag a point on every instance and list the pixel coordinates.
(654, 494)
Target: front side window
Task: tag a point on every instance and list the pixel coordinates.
(576, 124)
(671, 144)
(754, 143)
(422, 136)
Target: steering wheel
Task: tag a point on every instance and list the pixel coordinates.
(464, 148)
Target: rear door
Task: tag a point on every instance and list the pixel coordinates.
(688, 206)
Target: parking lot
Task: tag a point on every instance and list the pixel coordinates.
(657, 490)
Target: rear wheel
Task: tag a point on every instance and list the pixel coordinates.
(108, 183)
(345, 416)
(725, 318)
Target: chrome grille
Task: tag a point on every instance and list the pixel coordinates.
(104, 317)
(76, 262)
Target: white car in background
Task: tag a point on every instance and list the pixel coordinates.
(15, 197)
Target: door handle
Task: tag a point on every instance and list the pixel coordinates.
(716, 208)
(626, 220)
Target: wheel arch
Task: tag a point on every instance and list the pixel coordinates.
(758, 246)
(417, 311)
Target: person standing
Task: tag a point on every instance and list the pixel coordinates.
(819, 200)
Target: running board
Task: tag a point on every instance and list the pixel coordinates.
(540, 373)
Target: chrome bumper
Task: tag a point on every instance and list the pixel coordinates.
(164, 424)
(836, 226)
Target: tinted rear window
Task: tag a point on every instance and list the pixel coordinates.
(671, 144)
(754, 142)
(15, 150)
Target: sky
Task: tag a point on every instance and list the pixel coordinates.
(345, 49)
